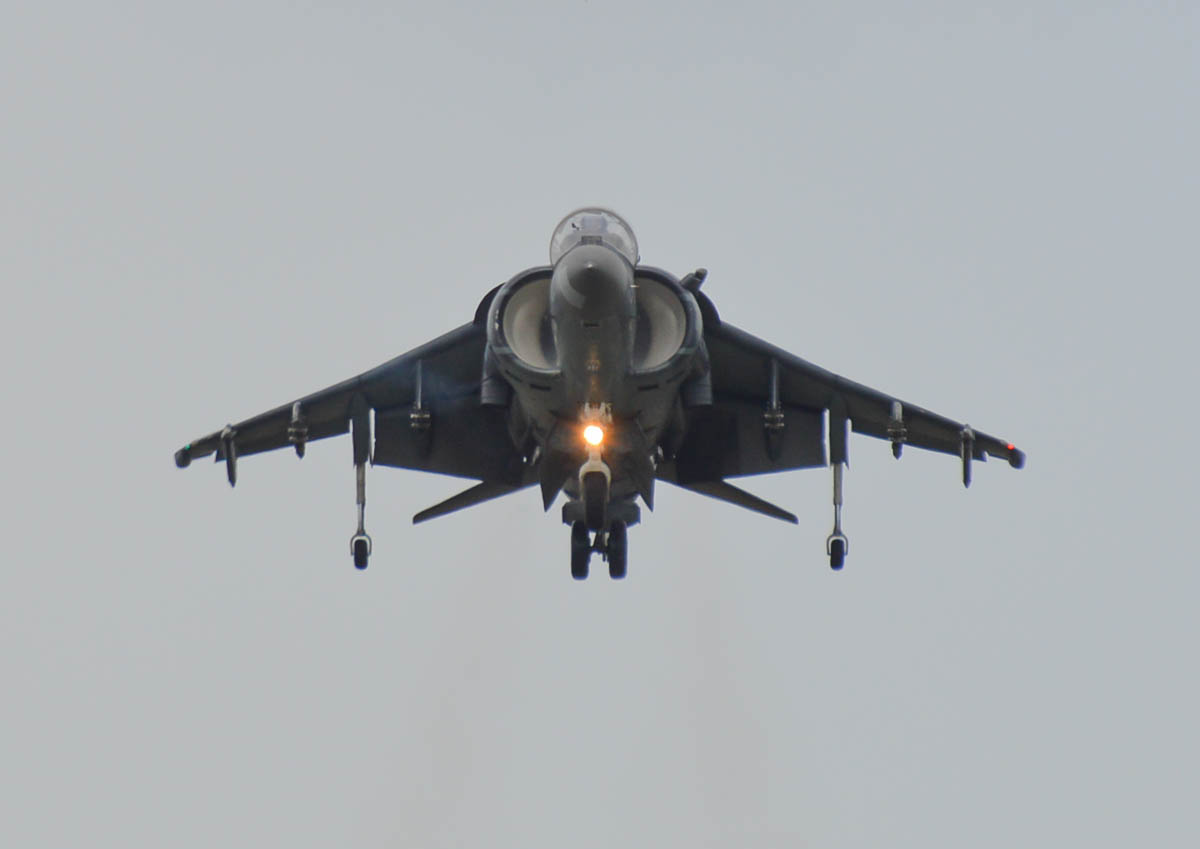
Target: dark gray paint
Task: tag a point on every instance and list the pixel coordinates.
(725, 405)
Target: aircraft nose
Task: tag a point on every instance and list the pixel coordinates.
(594, 278)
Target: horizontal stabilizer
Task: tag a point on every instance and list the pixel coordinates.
(481, 492)
(723, 491)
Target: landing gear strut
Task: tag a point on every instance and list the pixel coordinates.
(837, 545)
(360, 543)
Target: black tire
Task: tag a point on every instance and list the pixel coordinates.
(361, 553)
(618, 551)
(595, 500)
(837, 554)
(581, 551)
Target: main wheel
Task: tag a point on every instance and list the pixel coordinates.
(361, 553)
(581, 551)
(837, 554)
(595, 500)
(618, 551)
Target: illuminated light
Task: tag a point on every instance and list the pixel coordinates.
(593, 434)
(1012, 447)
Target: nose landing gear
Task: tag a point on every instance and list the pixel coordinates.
(594, 486)
(612, 545)
(610, 540)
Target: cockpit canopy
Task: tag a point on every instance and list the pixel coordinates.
(593, 225)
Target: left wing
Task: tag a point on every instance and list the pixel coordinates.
(751, 373)
(463, 438)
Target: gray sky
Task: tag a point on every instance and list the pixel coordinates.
(206, 213)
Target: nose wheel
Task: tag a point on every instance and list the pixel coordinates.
(594, 486)
(614, 546)
(581, 550)
(617, 551)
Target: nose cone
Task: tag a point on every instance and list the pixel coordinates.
(595, 280)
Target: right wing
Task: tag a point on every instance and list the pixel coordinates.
(464, 438)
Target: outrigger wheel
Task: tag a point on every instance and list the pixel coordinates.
(360, 547)
(837, 553)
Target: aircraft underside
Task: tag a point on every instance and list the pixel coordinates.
(594, 378)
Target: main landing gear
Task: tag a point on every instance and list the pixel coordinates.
(612, 545)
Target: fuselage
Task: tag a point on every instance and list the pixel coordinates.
(594, 339)
(593, 316)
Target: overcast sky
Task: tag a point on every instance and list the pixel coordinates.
(988, 212)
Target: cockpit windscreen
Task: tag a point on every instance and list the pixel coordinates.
(596, 226)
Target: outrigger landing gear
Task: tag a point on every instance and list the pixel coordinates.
(836, 546)
(360, 543)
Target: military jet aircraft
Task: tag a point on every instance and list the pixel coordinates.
(596, 376)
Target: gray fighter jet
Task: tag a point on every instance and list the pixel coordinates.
(596, 376)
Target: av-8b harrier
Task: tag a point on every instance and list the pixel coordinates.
(596, 376)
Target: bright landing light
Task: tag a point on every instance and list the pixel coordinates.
(593, 434)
